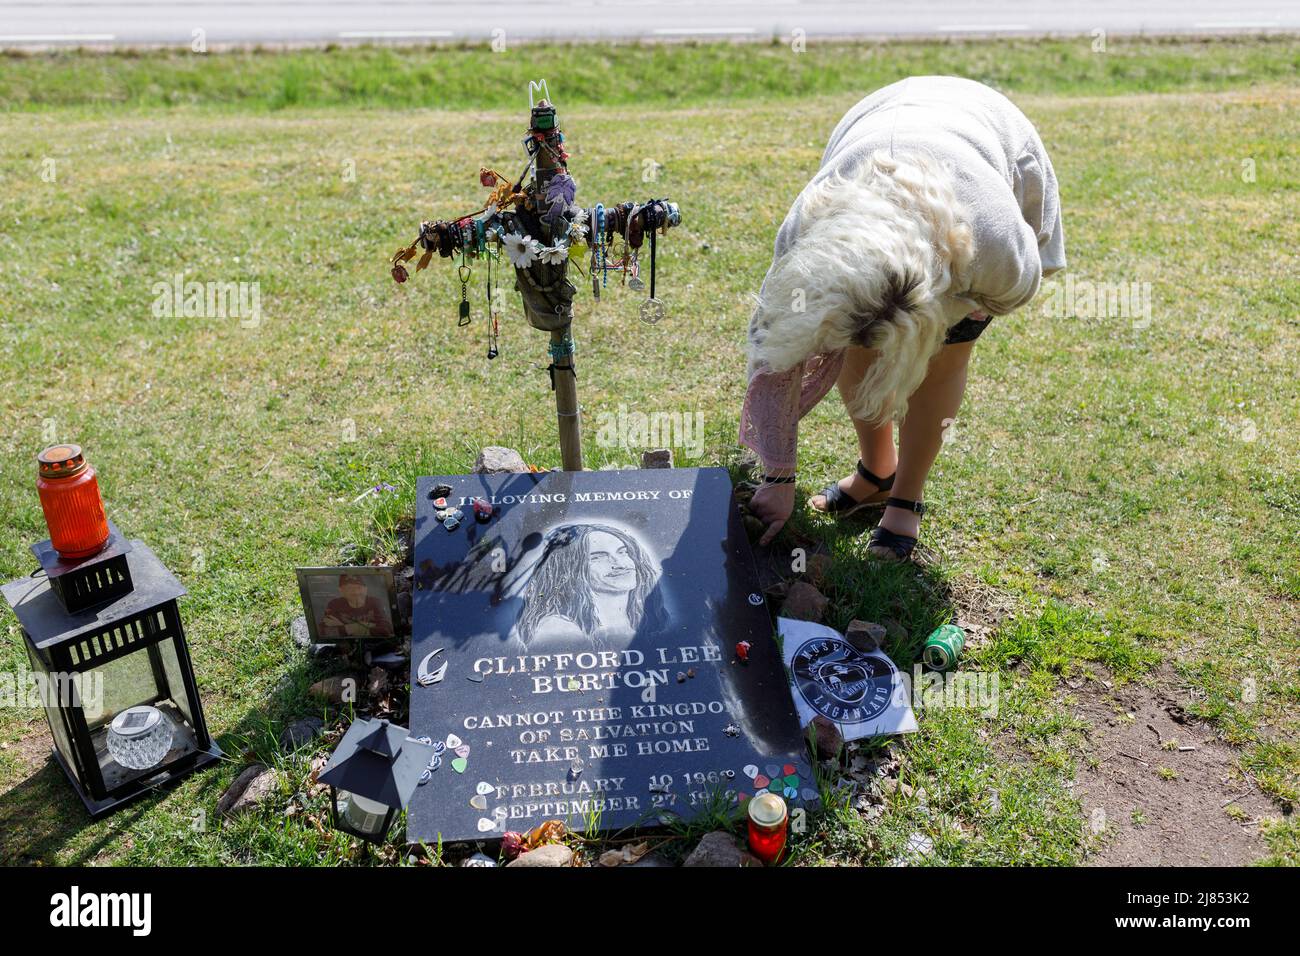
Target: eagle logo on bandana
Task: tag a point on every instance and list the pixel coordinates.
(840, 682)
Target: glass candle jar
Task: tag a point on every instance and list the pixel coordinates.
(768, 823)
(69, 493)
(140, 737)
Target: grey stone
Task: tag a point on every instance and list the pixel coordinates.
(825, 736)
(301, 732)
(652, 860)
(551, 855)
(657, 458)
(298, 629)
(866, 635)
(819, 565)
(254, 786)
(478, 859)
(495, 460)
(804, 602)
(302, 639)
(719, 849)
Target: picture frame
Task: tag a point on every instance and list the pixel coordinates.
(349, 603)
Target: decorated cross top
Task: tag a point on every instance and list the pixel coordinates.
(540, 228)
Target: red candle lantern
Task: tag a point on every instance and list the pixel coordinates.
(74, 511)
(768, 822)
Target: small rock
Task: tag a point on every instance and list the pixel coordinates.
(300, 732)
(478, 859)
(335, 689)
(866, 636)
(254, 786)
(658, 458)
(302, 639)
(804, 602)
(551, 855)
(825, 735)
(298, 630)
(495, 460)
(819, 565)
(720, 849)
(919, 846)
(651, 859)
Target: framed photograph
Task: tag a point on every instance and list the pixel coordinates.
(349, 603)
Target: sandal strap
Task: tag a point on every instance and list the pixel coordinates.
(882, 484)
(901, 544)
(903, 503)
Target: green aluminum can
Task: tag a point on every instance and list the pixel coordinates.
(943, 647)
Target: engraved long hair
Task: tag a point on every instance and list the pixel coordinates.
(560, 584)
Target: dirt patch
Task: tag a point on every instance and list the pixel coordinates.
(1158, 785)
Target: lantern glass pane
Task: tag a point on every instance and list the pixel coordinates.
(56, 696)
(151, 676)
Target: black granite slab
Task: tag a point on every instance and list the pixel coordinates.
(589, 632)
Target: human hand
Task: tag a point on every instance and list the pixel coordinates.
(772, 504)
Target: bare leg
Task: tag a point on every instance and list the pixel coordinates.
(921, 434)
(875, 440)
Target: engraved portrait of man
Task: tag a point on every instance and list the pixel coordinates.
(592, 582)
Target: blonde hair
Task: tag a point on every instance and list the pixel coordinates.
(878, 247)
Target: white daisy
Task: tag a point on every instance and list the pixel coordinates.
(521, 249)
(578, 226)
(554, 255)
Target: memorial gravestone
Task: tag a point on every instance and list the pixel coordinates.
(576, 655)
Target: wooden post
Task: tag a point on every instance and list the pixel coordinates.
(563, 376)
(566, 400)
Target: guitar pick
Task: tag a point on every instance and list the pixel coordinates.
(773, 769)
(761, 781)
(484, 788)
(459, 764)
(478, 802)
(484, 824)
(787, 770)
(462, 750)
(453, 741)
(750, 771)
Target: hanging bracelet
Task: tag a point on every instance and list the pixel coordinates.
(783, 480)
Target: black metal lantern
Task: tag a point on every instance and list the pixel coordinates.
(371, 776)
(107, 648)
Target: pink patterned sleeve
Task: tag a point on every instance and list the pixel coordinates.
(774, 403)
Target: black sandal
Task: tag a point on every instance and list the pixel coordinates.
(841, 504)
(896, 547)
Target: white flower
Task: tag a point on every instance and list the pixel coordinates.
(578, 227)
(521, 249)
(554, 255)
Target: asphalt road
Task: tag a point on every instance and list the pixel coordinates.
(28, 23)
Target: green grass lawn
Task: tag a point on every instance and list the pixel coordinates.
(1116, 501)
